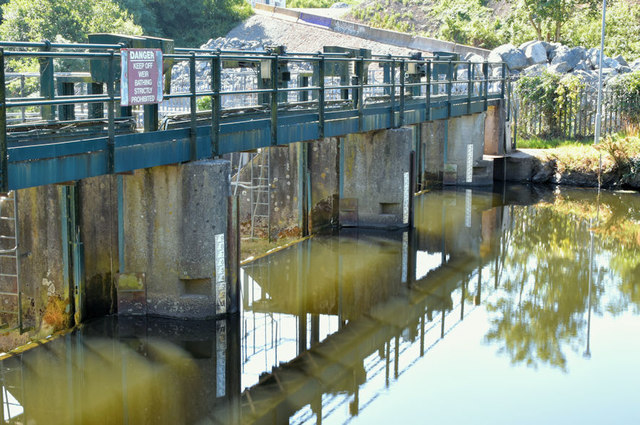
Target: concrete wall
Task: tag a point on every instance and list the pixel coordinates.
(171, 218)
(40, 251)
(463, 136)
(494, 130)
(324, 166)
(375, 165)
(99, 232)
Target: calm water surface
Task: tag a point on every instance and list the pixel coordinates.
(515, 307)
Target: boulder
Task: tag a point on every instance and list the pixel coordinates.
(509, 54)
(635, 65)
(621, 60)
(535, 70)
(473, 57)
(560, 68)
(610, 63)
(623, 69)
(535, 53)
(568, 58)
(583, 65)
(553, 49)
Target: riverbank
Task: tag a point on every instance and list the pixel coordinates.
(617, 158)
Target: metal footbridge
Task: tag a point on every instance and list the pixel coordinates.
(64, 121)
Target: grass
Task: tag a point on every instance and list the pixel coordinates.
(538, 143)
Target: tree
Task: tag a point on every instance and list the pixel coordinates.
(548, 17)
(195, 22)
(36, 20)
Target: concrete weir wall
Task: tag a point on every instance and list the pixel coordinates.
(376, 178)
(175, 227)
(453, 150)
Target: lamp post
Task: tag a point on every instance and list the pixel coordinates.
(596, 137)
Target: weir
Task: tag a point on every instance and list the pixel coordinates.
(129, 209)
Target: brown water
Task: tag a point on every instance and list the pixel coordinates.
(521, 306)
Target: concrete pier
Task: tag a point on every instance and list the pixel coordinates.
(175, 227)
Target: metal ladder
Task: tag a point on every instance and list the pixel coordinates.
(261, 193)
(10, 288)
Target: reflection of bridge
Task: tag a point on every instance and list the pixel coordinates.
(375, 337)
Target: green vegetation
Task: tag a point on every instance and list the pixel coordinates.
(542, 143)
(299, 4)
(36, 20)
(378, 16)
(548, 98)
(626, 89)
(188, 23)
(489, 24)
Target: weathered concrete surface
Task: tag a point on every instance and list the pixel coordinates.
(99, 230)
(40, 250)
(460, 133)
(375, 164)
(325, 182)
(284, 188)
(172, 216)
(432, 135)
(494, 131)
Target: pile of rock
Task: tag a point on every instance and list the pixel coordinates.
(535, 57)
(180, 72)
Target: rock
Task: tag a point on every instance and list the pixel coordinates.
(583, 65)
(586, 76)
(621, 60)
(623, 69)
(569, 57)
(543, 172)
(560, 68)
(535, 70)
(535, 53)
(553, 49)
(473, 57)
(509, 54)
(635, 65)
(610, 63)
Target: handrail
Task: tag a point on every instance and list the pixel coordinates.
(405, 78)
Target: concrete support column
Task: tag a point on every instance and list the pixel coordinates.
(376, 180)
(175, 227)
(454, 150)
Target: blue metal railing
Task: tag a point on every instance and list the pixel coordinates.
(412, 90)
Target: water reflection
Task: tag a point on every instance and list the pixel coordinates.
(335, 327)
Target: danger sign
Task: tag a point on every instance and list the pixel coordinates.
(141, 77)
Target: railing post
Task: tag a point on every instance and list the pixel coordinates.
(428, 93)
(485, 72)
(449, 87)
(111, 114)
(361, 95)
(193, 133)
(469, 86)
(274, 100)
(95, 110)
(66, 112)
(216, 104)
(47, 87)
(392, 121)
(504, 74)
(321, 97)
(402, 91)
(4, 174)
